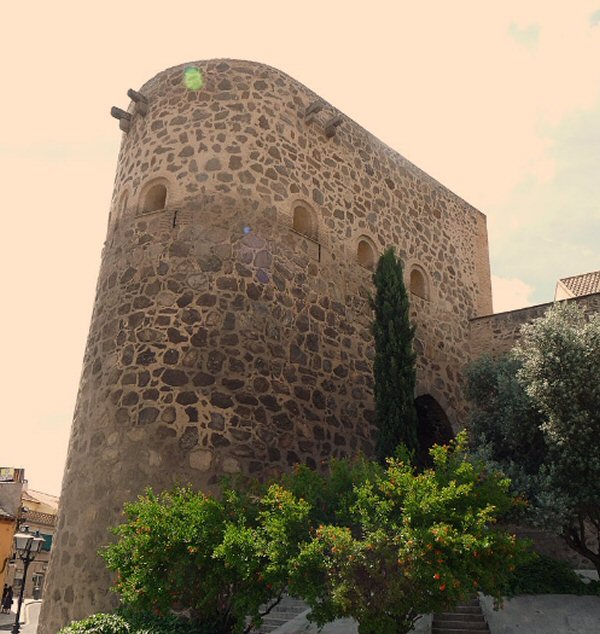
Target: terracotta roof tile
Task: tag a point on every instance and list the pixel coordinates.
(39, 518)
(584, 284)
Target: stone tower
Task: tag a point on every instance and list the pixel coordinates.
(230, 328)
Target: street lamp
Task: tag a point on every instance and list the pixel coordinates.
(27, 546)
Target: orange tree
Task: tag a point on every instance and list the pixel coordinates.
(223, 562)
(378, 544)
(417, 543)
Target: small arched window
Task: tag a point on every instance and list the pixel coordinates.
(155, 198)
(304, 221)
(122, 204)
(418, 283)
(365, 254)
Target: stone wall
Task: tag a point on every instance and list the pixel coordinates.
(551, 545)
(497, 334)
(223, 340)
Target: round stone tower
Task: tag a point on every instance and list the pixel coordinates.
(230, 329)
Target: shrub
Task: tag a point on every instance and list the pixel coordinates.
(99, 624)
(127, 622)
(538, 412)
(218, 559)
(380, 545)
(331, 495)
(417, 543)
(544, 575)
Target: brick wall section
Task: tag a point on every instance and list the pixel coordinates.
(496, 334)
(223, 341)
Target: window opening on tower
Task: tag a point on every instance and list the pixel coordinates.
(304, 222)
(418, 284)
(365, 254)
(155, 198)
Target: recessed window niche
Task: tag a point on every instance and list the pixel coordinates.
(365, 254)
(155, 198)
(123, 201)
(304, 221)
(418, 283)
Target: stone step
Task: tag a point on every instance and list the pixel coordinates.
(279, 620)
(290, 602)
(286, 612)
(466, 619)
(438, 630)
(283, 612)
(467, 609)
(453, 616)
(464, 625)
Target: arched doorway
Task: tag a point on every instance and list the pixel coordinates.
(433, 427)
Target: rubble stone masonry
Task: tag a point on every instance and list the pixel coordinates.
(231, 325)
(497, 334)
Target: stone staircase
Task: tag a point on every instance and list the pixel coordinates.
(466, 619)
(285, 611)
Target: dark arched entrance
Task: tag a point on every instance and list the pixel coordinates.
(433, 427)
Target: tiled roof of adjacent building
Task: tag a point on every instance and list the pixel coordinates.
(584, 284)
(47, 519)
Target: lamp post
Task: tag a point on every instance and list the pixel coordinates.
(27, 546)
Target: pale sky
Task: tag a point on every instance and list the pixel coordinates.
(498, 100)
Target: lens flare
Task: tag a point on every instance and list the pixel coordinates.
(193, 78)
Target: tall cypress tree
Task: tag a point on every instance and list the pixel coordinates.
(394, 365)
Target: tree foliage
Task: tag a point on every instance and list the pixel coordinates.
(539, 413)
(503, 418)
(130, 622)
(379, 544)
(99, 624)
(544, 575)
(560, 356)
(394, 363)
(417, 543)
(221, 560)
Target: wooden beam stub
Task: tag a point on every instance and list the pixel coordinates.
(332, 124)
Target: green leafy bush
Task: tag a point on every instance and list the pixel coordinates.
(127, 622)
(379, 545)
(417, 543)
(332, 495)
(544, 575)
(99, 624)
(538, 413)
(146, 623)
(223, 560)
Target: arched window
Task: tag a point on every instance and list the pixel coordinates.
(418, 283)
(365, 254)
(304, 221)
(155, 198)
(122, 204)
